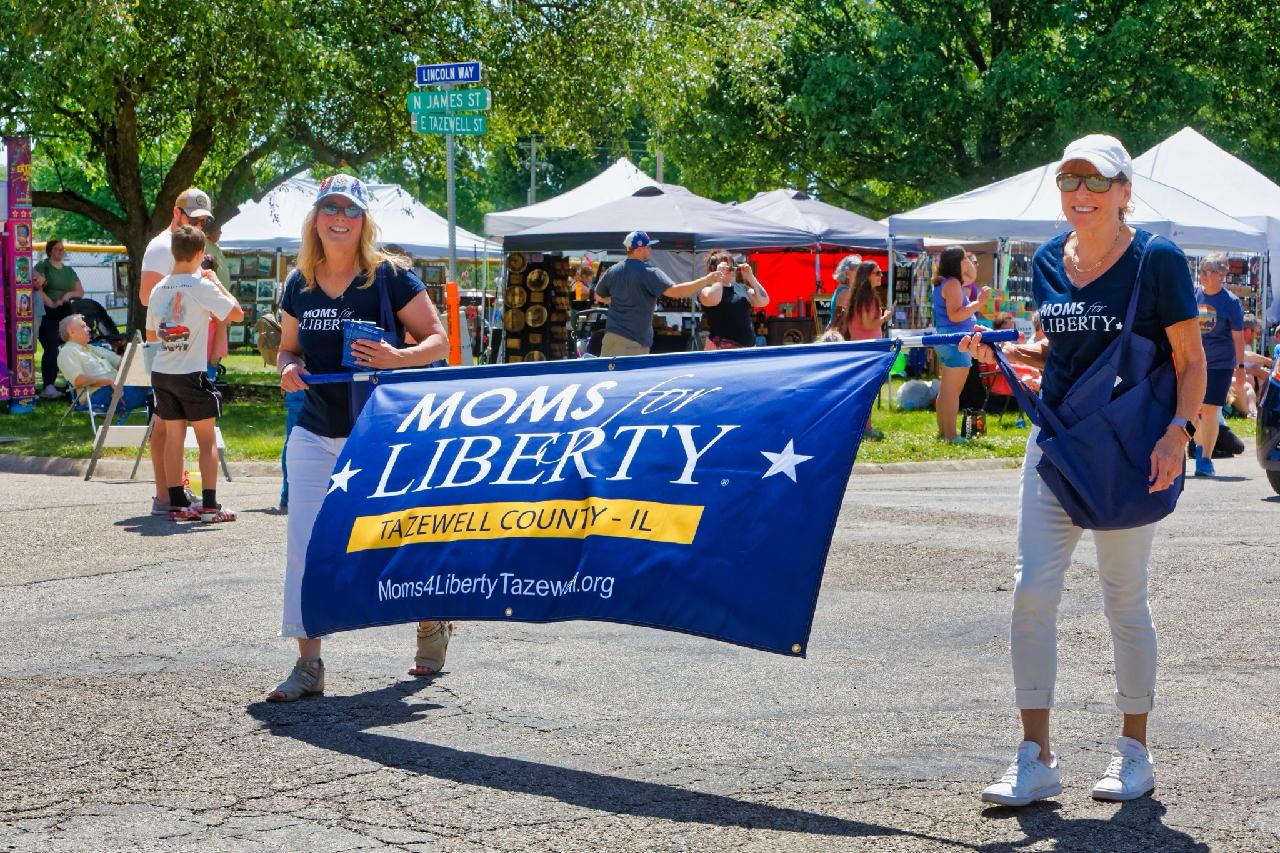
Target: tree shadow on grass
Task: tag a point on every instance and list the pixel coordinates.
(1136, 826)
(338, 724)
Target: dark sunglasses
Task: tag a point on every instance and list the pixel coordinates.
(199, 221)
(1069, 183)
(350, 211)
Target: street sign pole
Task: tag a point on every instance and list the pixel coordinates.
(453, 210)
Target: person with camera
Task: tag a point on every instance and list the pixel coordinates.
(728, 307)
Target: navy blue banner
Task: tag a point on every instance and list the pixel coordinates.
(693, 492)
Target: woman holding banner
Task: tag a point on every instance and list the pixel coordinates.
(341, 274)
(1085, 284)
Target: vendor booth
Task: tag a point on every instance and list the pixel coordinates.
(17, 307)
(682, 223)
(1195, 165)
(618, 181)
(265, 235)
(795, 277)
(1027, 208)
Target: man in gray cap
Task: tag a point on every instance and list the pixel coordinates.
(191, 207)
(631, 290)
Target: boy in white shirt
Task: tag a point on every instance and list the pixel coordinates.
(178, 315)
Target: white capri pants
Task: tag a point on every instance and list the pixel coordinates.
(310, 459)
(1046, 540)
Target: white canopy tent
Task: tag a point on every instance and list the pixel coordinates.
(620, 180)
(1028, 207)
(275, 223)
(1195, 165)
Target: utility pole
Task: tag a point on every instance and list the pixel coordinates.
(533, 167)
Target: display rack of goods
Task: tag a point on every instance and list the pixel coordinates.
(253, 283)
(1244, 279)
(536, 307)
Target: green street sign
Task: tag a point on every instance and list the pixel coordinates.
(465, 125)
(457, 100)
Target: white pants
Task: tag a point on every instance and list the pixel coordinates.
(1046, 540)
(310, 459)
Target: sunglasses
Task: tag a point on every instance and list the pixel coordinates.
(1069, 183)
(199, 221)
(350, 211)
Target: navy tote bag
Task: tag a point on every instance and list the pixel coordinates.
(1097, 443)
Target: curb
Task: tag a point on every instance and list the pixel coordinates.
(115, 468)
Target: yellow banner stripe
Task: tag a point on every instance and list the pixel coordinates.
(559, 519)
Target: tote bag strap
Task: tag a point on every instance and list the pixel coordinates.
(386, 314)
(1041, 415)
(1132, 310)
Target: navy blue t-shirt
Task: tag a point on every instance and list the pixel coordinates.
(1220, 315)
(327, 410)
(1081, 322)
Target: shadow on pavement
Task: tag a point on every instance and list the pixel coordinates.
(269, 510)
(337, 723)
(1136, 826)
(159, 525)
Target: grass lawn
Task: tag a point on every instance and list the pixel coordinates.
(253, 426)
(911, 437)
(254, 430)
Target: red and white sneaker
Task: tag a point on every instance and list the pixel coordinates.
(216, 514)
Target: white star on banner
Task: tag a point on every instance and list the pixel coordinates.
(342, 478)
(784, 462)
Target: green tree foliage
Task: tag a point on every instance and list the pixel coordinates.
(884, 105)
(130, 101)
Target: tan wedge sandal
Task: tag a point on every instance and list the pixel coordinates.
(306, 679)
(433, 644)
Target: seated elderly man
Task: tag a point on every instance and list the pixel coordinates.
(92, 370)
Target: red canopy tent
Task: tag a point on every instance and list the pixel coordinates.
(789, 276)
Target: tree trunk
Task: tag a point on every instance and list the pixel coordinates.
(136, 247)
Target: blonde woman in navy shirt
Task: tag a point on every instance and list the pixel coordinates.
(337, 278)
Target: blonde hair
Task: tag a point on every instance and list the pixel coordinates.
(368, 255)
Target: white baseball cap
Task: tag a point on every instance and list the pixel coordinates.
(1106, 154)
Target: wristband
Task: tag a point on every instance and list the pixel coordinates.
(1185, 425)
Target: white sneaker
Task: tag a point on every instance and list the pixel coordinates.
(50, 393)
(1028, 779)
(1131, 773)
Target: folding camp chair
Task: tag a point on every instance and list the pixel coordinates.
(82, 401)
(135, 369)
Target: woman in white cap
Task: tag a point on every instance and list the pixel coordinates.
(340, 273)
(1081, 283)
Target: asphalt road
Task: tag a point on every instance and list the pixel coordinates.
(134, 655)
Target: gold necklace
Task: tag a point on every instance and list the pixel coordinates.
(1075, 254)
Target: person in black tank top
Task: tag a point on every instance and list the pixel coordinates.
(729, 303)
